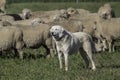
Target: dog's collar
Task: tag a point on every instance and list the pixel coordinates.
(60, 38)
(64, 37)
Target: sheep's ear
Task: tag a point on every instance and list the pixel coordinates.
(82, 28)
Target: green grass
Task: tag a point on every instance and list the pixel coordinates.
(108, 68)
(40, 68)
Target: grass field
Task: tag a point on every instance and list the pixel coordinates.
(40, 68)
(108, 68)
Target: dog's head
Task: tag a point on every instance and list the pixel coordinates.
(57, 32)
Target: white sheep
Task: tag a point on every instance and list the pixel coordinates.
(70, 25)
(6, 18)
(11, 38)
(106, 11)
(49, 16)
(26, 13)
(110, 30)
(37, 36)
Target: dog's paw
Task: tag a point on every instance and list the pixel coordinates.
(66, 68)
(94, 68)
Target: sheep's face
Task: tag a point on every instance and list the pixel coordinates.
(71, 11)
(64, 14)
(99, 47)
(105, 15)
(105, 12)
(26, 13)
(57, 31)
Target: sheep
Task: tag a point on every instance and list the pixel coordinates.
(106, 11)
(37, 36)
(37, 21)
(28, 22)
(77, 13)
(49, 13)
(71, 11)
(84, 16)
(26, 13)
(22, 22)
(49, 16)
(110, 30)
(6, 18)
(10, 17)
(3, 6)
(5, 23)
(70, 25)
(16, 16)
(11, 38)
(87, 20)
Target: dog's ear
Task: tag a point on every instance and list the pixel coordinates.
(63, 29)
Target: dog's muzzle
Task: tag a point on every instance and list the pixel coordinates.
(52, 33)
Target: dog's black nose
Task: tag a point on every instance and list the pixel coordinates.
(52, 33)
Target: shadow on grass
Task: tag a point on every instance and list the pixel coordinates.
(11, 54)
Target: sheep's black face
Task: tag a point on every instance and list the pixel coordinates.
(105, 15)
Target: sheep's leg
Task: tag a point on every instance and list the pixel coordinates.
(110, 46)
(52, 52)
(113, 48)
(0, 53)
(50, 44)
(88, 49)
(104, 45)
(19, 47)
(47, 51)
(15, 52)
(20, 54)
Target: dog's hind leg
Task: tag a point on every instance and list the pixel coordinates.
(84, 56)
(88, 49)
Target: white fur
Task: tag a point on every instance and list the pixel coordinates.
(67, 43)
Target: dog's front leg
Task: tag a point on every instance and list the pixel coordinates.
(66, 61)
(60, 59)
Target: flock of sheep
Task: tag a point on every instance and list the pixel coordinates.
(31, 29)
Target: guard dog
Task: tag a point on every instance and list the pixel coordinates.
(68, 43)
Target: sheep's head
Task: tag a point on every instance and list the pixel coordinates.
(64, 14)
(37, 21)
(106, 12)
(26, 13)
(71, 11)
